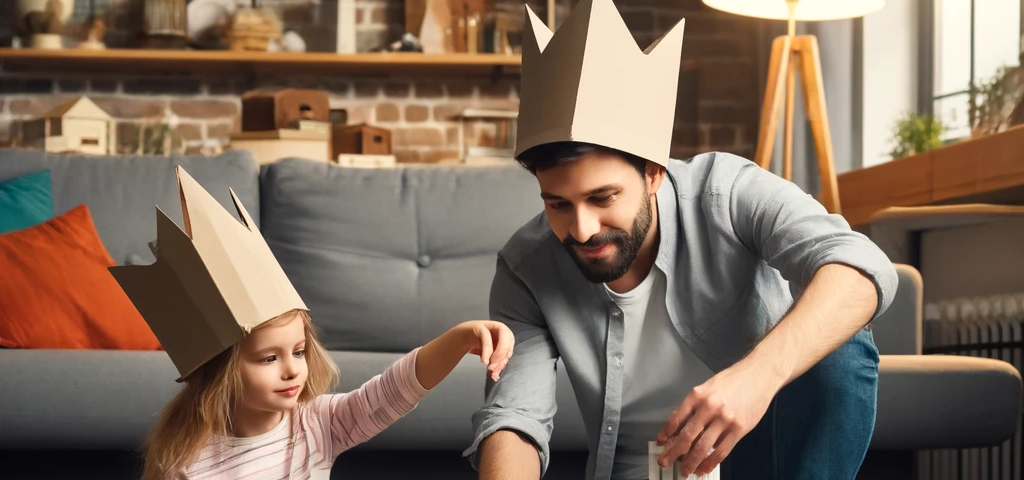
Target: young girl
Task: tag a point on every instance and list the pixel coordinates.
(260, 409)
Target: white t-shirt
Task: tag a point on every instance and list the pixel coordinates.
(660, 370)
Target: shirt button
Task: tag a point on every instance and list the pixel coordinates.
(609, 428)
(616, 313)
(423, 261)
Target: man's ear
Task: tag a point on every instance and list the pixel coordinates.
(654, 175)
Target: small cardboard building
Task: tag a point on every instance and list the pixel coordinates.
(78, 126)
(360, 138)
(268, 110)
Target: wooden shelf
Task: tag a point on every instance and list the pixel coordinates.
(385, 63)
(988, 169)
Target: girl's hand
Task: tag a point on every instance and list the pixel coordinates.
(492, 341)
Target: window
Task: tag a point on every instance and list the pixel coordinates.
(972, 40)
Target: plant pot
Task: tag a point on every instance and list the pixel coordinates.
(26, 6)
(47, 41)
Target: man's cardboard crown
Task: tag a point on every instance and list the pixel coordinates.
(590, 82)
(211, 283)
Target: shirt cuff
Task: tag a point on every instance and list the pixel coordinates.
(510, 421)
(411, 382)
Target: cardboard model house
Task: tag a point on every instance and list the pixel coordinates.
(211, 283)
(78, 126)
(590, 82)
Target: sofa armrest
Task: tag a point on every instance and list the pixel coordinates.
(897, 331)
(895, 229)
(940, 401)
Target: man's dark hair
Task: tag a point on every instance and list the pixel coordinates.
(550, 155)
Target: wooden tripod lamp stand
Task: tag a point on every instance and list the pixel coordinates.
(791, 54)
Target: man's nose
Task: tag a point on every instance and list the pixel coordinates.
(585, 225)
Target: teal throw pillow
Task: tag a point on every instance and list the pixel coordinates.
(25, 201)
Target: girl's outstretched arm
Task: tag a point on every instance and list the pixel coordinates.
(491, 340)
(358, 416)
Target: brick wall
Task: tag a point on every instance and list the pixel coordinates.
(717, 108)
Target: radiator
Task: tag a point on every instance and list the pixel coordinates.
(989, 327)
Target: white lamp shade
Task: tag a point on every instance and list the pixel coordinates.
(806, 10)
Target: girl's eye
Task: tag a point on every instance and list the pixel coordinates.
(269, 359)
(300, 353)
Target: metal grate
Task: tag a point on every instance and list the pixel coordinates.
(990, 327)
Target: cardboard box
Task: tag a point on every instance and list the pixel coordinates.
(265, 110)
(360, 138)
(655, 472)
(356, 160)
(271, 146)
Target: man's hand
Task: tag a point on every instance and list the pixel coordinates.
(716, 415)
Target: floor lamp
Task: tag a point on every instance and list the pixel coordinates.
(792, 53)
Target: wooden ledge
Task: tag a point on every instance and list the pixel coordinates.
(385, 63)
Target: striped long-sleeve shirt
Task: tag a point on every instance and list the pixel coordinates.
(306, 442)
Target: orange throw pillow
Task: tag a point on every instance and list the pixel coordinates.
(56, 291)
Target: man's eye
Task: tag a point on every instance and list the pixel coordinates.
(557, 206)
(604, 199)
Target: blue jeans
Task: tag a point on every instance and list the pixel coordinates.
(817, 427)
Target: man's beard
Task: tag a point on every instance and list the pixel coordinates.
(627, 247)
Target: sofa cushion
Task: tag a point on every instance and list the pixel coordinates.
(387, 259)
(56, 292)
(25, 201)
(122, 191)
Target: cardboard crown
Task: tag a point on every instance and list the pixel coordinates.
(590, 82)
(211, 283)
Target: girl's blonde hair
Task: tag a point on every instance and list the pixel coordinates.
(205, 404)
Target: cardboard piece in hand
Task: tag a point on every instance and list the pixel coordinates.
(672, 472)
(211, 283)
(590, 82)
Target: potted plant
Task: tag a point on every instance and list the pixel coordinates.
(991, 102)
(916, 133)
(42, 22)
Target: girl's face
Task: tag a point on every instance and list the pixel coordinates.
(273, 366)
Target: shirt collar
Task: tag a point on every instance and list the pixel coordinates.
(668, 221)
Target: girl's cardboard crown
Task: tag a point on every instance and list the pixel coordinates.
(211, 283)
(590, 82)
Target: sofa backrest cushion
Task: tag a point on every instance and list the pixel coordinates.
(387, 259)
(123, 191)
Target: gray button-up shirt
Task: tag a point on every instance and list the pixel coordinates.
(737, 244)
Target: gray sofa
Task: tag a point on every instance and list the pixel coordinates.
(388, 259)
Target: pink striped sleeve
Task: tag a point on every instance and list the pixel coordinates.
(359, 415)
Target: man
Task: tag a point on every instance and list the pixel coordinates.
(704, 304)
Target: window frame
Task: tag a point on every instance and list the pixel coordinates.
(926, 25)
